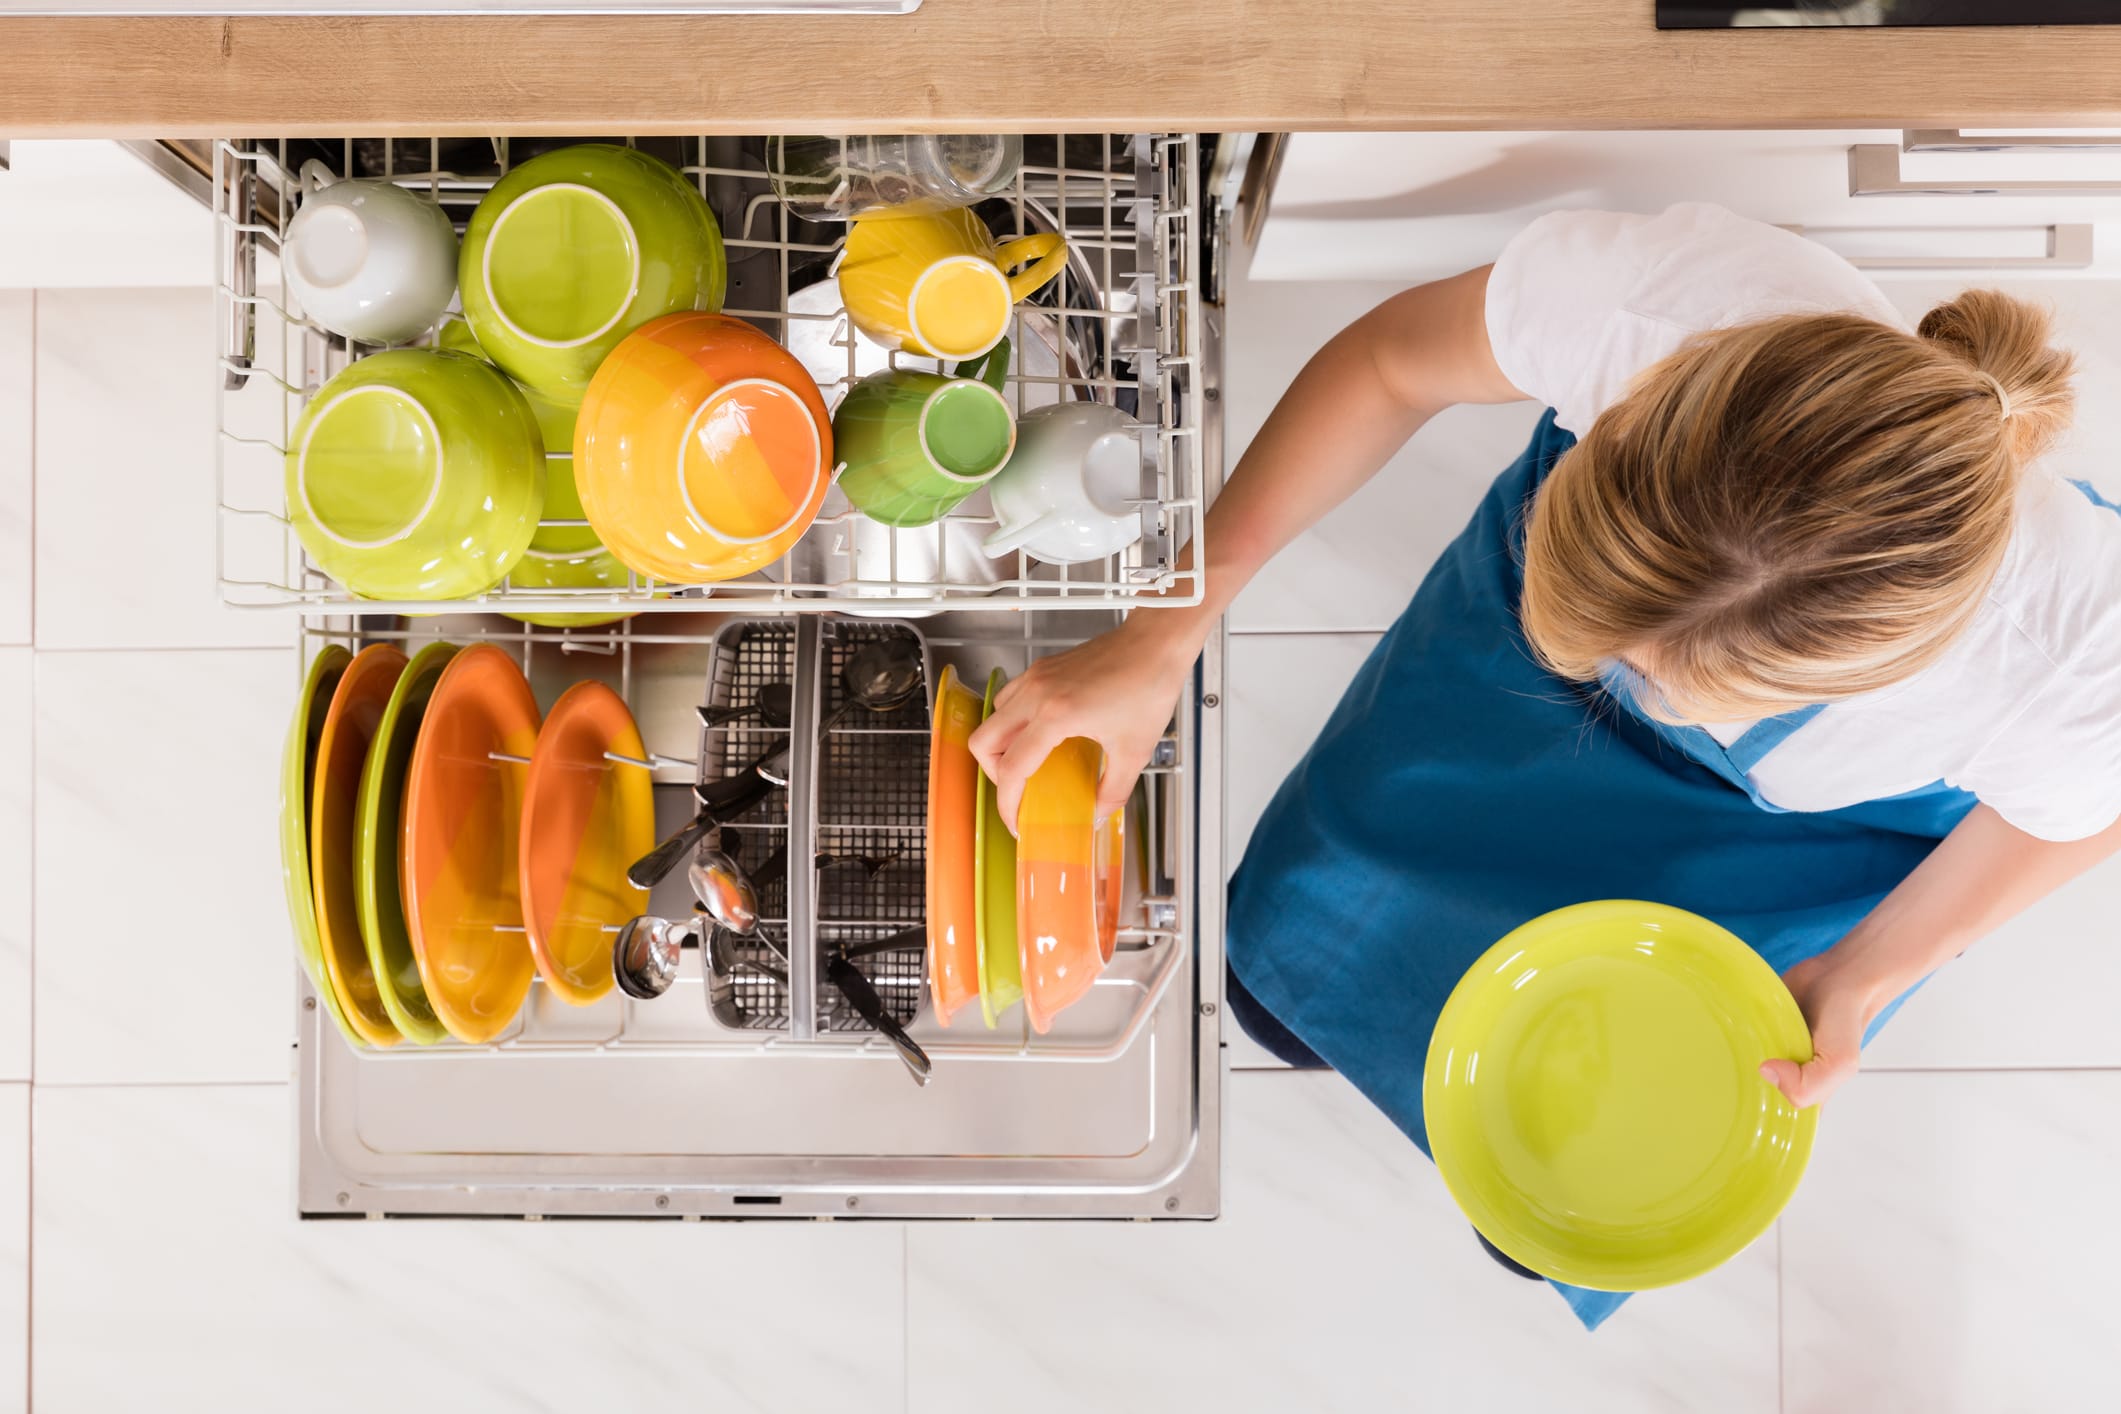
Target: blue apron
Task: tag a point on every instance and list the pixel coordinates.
(1459, 789)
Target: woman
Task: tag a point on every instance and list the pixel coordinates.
(1775, 619)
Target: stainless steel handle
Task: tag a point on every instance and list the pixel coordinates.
(1957, 140)
(2069, 247)
(1874, 170)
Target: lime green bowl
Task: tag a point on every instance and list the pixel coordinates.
(1594, 1099)
(560, 556)
(574, 250)
(417, 474)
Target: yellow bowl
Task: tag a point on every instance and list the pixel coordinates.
(703, 450)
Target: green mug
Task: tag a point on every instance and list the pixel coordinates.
(916, 444)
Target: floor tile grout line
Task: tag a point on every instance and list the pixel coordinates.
(34, 302)
(53, 1085)
(1781, 1393)
(905, 1318)
(74, 650)
(1988, 1070)
(29, 1159)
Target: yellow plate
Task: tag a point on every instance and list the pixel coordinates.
(1594, 1098)
(342, 756)
(1001, 983)
(586, 818)
(297, 794)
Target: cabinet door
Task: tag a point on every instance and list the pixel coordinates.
(1413, 206)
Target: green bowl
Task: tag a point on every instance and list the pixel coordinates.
(417, 474)
(574, 250)
(560, 556)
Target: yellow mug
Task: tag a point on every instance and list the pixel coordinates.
(935, 284)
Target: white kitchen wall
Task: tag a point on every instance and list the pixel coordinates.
(90, 214)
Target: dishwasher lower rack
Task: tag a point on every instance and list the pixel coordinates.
(1121, 325)
(659, 1109)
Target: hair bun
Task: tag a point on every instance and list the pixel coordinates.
(2004, 343)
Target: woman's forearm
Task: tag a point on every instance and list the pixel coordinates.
(1351, 408)
(1984, 873)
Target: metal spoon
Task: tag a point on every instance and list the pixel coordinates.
(721, 884)
(882, 676)
(774, 704)
(646, 956)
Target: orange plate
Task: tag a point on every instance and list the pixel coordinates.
(585, 819)
(1068, 880)
(953, 779)
(461, 860)
(342, 755)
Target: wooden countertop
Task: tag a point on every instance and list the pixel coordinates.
(1039, 64)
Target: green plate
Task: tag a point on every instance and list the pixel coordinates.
(1001, 976)
(376, 852)
(1594, 1097)
(298, 764)
(577, 248)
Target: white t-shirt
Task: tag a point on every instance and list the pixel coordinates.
(2024, 709)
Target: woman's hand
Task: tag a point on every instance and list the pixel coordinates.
(1839, 1003)
(1118, 689)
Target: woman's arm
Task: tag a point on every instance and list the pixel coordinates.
(1355, 404)
(1983, 873)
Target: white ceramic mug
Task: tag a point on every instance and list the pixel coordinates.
(1071, 490)
(369, 259)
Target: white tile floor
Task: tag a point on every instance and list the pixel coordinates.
(1944, 1255)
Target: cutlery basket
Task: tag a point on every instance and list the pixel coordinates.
(839, 857)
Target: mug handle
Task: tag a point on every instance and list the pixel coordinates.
(991, 368)
(1048, 248)
(315, 177)
(1008, 539)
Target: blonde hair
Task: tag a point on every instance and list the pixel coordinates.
(1794, 511)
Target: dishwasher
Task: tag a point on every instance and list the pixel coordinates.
(692, 1106)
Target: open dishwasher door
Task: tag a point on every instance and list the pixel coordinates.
(664, 1108)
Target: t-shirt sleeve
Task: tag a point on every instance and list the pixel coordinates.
(1554, 298)
(2055, 770)
(1580, 302)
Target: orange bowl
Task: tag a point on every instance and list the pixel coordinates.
(1069, 877)
(703, 450)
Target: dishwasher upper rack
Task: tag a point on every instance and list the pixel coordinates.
(1123, 323)
(660, 666)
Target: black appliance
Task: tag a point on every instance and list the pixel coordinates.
(1778, 14)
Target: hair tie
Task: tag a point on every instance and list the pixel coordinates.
(2002, 398)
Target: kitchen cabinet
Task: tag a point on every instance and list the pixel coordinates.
(1409, 208)
(1028, 65)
